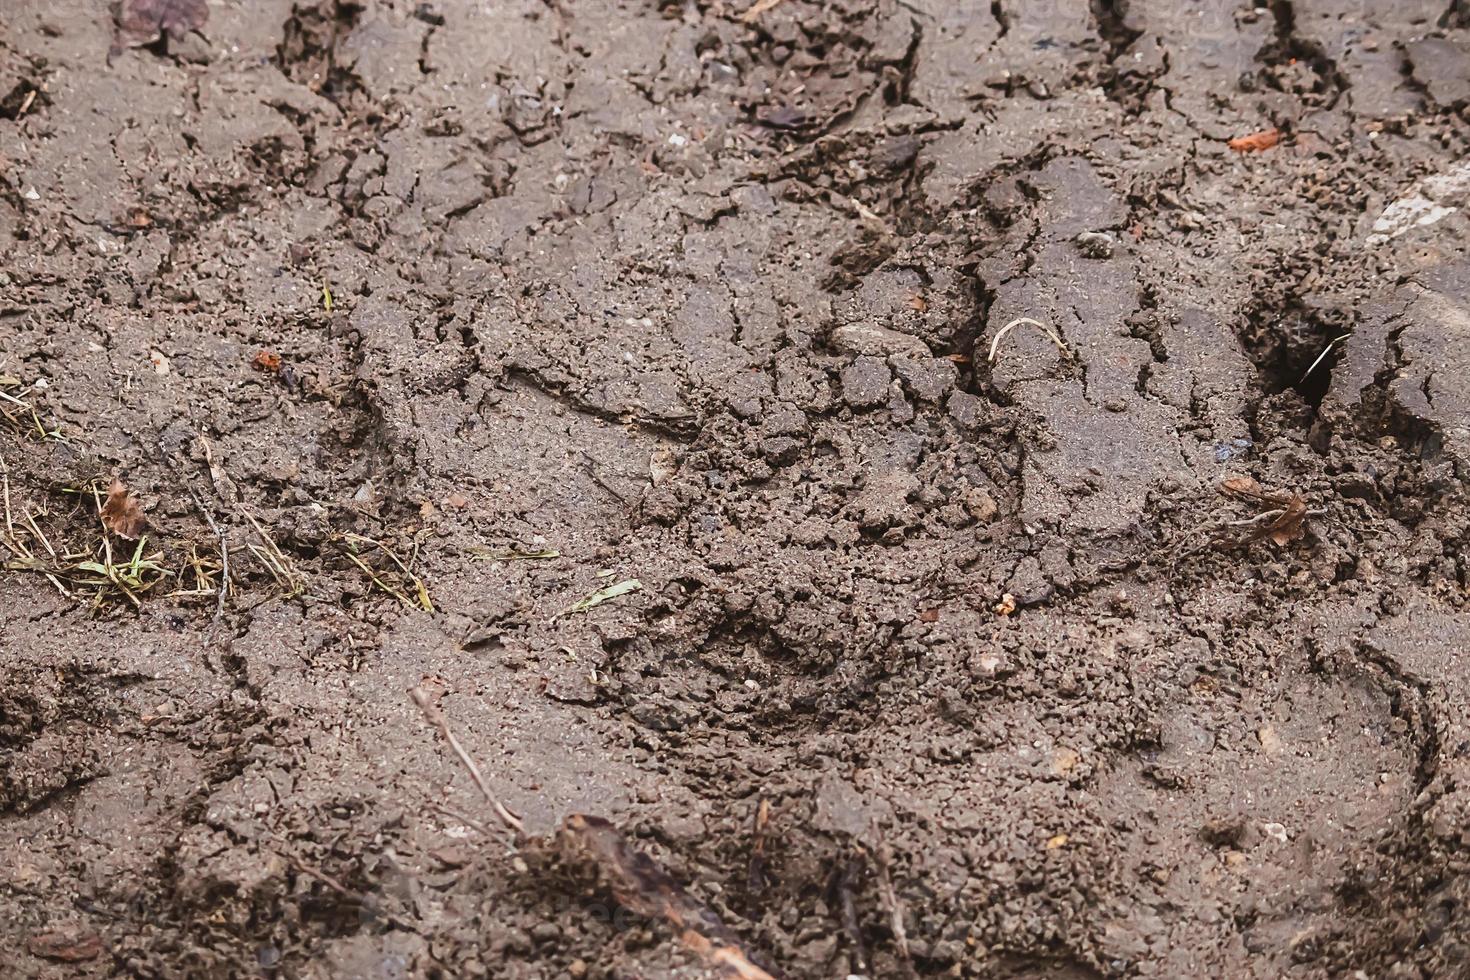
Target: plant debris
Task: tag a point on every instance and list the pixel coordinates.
(66, 945)
(121, 513)
(399, 581)
(636, 880)
(267, 360)
(603, 595)
(141, 22)
(1256, 142)
(1282, 522)
(512, 554)
(1026, 320)
(640, 884)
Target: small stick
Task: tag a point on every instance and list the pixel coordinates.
(756, 9)
(435, 717)
(844, 884)
(756, 871)
(219, 535)
(348, 893)
(1018, 321)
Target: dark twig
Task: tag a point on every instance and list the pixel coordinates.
(883, 858)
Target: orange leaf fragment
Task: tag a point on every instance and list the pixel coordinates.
(1256, 142)
(268, 361)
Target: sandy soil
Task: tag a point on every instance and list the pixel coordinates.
(947, 655)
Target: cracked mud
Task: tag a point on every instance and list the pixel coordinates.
(936, 665)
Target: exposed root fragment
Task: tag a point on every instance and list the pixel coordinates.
(1018, 321)
(435, 717)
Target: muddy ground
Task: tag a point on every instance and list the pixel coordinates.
(537, 298)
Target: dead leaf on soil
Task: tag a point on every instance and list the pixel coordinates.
(1256, 142)
(121, 513)
(641, 885)
(603, 595)
(69, 945)
(141, 22)
(1283, 522)
(267, 360)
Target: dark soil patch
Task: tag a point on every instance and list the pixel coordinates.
(435, 321)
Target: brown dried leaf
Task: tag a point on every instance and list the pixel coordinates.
(67, 944)
(141, 22)
(1248, 489)
(640, 884)
(121, 513)
(1256, 142)
(1240, 485)
(1290, 525)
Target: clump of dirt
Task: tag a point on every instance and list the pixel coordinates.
(919, 489)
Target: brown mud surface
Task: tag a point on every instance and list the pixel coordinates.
(939, 664)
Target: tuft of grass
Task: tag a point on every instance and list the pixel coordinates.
(95, 569)
(398, 580)
(132, 578)
(289, 578)
(18, 414)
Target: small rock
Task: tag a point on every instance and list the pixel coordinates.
(1096, 244)
(68, 944)
(981, 505)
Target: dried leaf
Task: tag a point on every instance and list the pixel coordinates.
(268, 361)
(69, 945)
(1243, 485)
(640, 884)
(602, 595)
(1290, 525)
(121, 513)
(1256, 142)
(142, 22)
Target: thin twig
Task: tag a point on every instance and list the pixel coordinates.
(756, 9)
(1018, 321)
(883, 858)
(341, 889)
(435, 717)
(463, 818)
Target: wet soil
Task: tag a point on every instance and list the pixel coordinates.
(540, 298)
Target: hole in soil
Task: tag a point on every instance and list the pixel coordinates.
(1294, 350)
